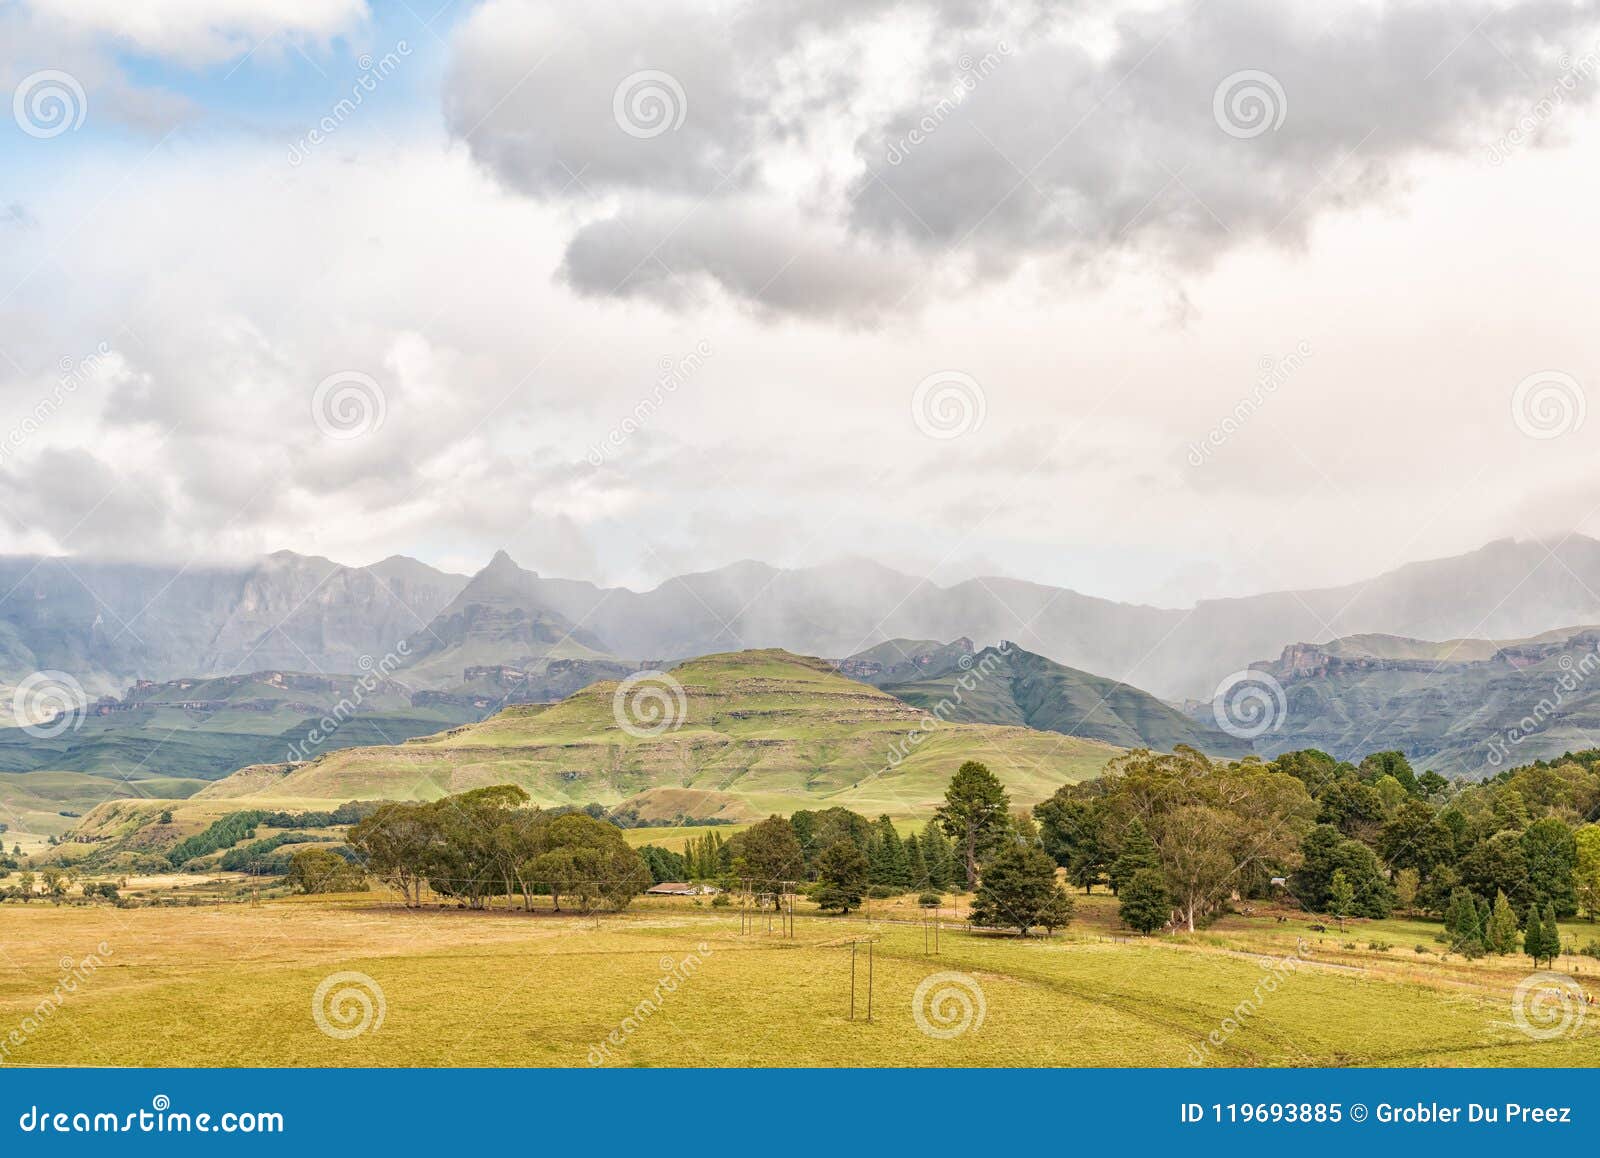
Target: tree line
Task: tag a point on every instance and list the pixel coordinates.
(486, 843)
(1182, 835)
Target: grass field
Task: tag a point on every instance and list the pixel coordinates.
(233, 985)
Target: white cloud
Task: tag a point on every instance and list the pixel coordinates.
(201, 32)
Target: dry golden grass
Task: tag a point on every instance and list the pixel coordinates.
(233, 985)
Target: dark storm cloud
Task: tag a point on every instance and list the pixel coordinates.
(1017, 137)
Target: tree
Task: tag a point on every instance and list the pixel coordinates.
(1324, 853)
(1354, 808)
(916, 866)
(1498, 865)
(396, 843)
(1430, 784)
(25, 884)
(316, 870)
(1138, 852)
(937, 856)
(1503, 926)
(1416, 838)
(1019, 890)
(769, 853)
(1586, 872)
(1533, 943)
(1463, 924)
(1379, 765)
(1510, 810)
(1146, 905)
(589, 861)
(1406, 884)
(1341, 897)
(887, 856)
(1551, 853)
(841, 877)
(1552, 935)
(974, 813)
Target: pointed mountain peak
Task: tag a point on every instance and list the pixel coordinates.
(504, 565)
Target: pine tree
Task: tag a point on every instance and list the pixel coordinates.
(1146, 904)
(1464, 924)
(975, 814)
(917, 867)
(1533, 937)
(1486, 924)
(936, 855)
(1018, 890)
(1503, 926)
(1138, 852)
(1552, 935)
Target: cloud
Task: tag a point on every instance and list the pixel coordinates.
(200, 32)
(988, 138)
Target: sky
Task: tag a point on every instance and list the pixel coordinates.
(1158, 301)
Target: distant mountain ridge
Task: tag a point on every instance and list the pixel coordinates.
(1461, 713)
(1007, 685)
(108, 624)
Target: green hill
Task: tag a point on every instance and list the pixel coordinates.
(1006, 685)
(207, 728)
(762, 731)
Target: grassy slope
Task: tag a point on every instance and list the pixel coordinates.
(1026, 690)
(765, 730)
(250, 720)
(231, 986)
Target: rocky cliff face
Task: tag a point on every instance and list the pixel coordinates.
(111, 624)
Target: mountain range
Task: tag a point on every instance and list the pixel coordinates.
(1006, 685)
(109, 624)
(1461, 708)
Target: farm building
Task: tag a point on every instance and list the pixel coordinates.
(680, 889)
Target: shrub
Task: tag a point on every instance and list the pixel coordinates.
(882, 892)
(721, 901)
(1380, 946)
(1420, 949)
(930, 900)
